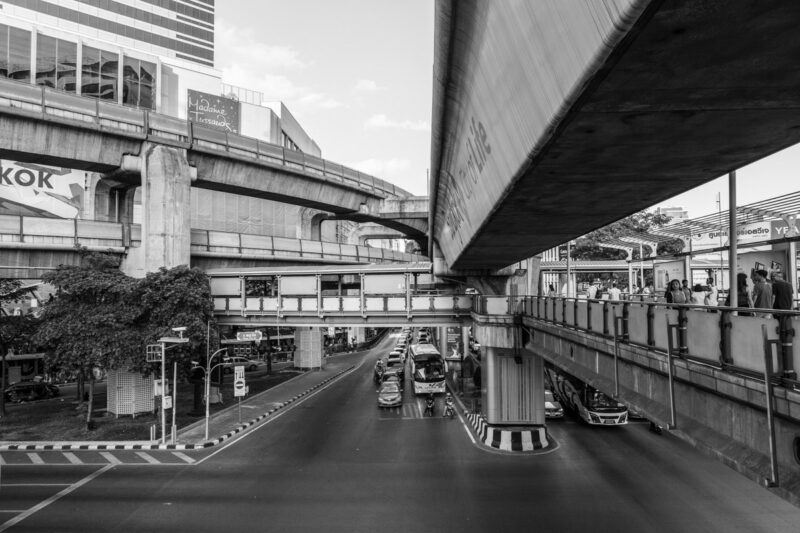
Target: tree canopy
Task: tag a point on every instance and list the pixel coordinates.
(102, 318)
(588, 247)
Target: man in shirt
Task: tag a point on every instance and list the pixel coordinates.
(687, 290)
(613, 292)
(762, 291)
(782, 292)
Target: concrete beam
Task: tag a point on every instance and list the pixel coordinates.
(604, 109)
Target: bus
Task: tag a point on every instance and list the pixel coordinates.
(428, 369)
(592, 406)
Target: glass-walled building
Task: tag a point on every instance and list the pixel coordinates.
(148, 54)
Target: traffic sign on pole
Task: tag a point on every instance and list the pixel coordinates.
(249, 335)
(239, 388)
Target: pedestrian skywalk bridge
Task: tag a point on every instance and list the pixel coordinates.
(91, 457)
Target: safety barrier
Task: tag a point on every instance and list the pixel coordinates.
(726, 337)
(93, 113)
(57, 233)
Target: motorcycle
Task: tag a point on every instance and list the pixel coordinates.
(449, 409)
(429, 404)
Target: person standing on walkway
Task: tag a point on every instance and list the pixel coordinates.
(675, 294)
(591, 292)
(742, 295)
(762, 291)
(687, 290)
(782, 292)
(712, 294)
(613, 292)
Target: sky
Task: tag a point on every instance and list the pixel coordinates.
(357, 75)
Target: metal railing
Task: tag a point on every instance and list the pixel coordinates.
(23, 98)
(363, 305)
(729, 338)
(18, 231)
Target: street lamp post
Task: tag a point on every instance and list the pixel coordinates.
(208, 370)
(163, 341)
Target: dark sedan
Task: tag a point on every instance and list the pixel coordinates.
(28, 391)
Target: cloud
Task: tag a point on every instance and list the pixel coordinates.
(240, 46)
(247, 63)
(381, 121)
(366, 86)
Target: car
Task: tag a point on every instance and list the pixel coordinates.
(397, 354)
(390, 395)
(248, 364)
(552, 409)
(28, 391)
(396, 364)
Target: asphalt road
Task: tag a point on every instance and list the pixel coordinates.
(335, 462)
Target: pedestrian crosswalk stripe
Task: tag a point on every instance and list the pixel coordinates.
(149, 458)
(36, 459)
(72, 458)
(110, 458)
(183, 457)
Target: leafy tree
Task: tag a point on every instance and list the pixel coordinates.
(588, 247)
(101, 318)
(14, 330)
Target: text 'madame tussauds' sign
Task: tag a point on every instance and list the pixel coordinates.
(214, 111)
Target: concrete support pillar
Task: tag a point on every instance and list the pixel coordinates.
(512, 380)
(166, 215)
(441, 336)
(360, 334)
(310, 347)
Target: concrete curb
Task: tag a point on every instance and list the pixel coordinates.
(198, 446)
(510, 440)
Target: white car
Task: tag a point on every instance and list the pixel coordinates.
(248, 364)
(552, 409)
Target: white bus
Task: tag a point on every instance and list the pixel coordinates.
(592, 406)
(428, 369)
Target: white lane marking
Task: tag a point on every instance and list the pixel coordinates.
(149, 458)
(35, 458)
(183, 457)
(41, 505)
(111, 458)
(72, 458)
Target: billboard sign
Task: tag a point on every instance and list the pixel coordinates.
(29, 189)
(213, 111)
(746, 234)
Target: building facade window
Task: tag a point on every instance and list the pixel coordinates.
(56, 61)
(138, 80)
(15, 53)
(99, 73)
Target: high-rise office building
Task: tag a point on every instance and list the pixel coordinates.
(150, 54)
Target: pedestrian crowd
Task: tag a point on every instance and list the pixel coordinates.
(768, 291)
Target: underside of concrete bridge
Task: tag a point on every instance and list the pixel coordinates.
(551, 119)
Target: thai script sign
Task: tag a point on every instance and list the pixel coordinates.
(38, 190)
(746, 234)
(215, 111)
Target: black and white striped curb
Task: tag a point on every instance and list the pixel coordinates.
(516, 440)
(198, 446)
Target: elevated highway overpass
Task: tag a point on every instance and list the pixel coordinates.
(551, 119)
(167, 156)
(30, 246)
